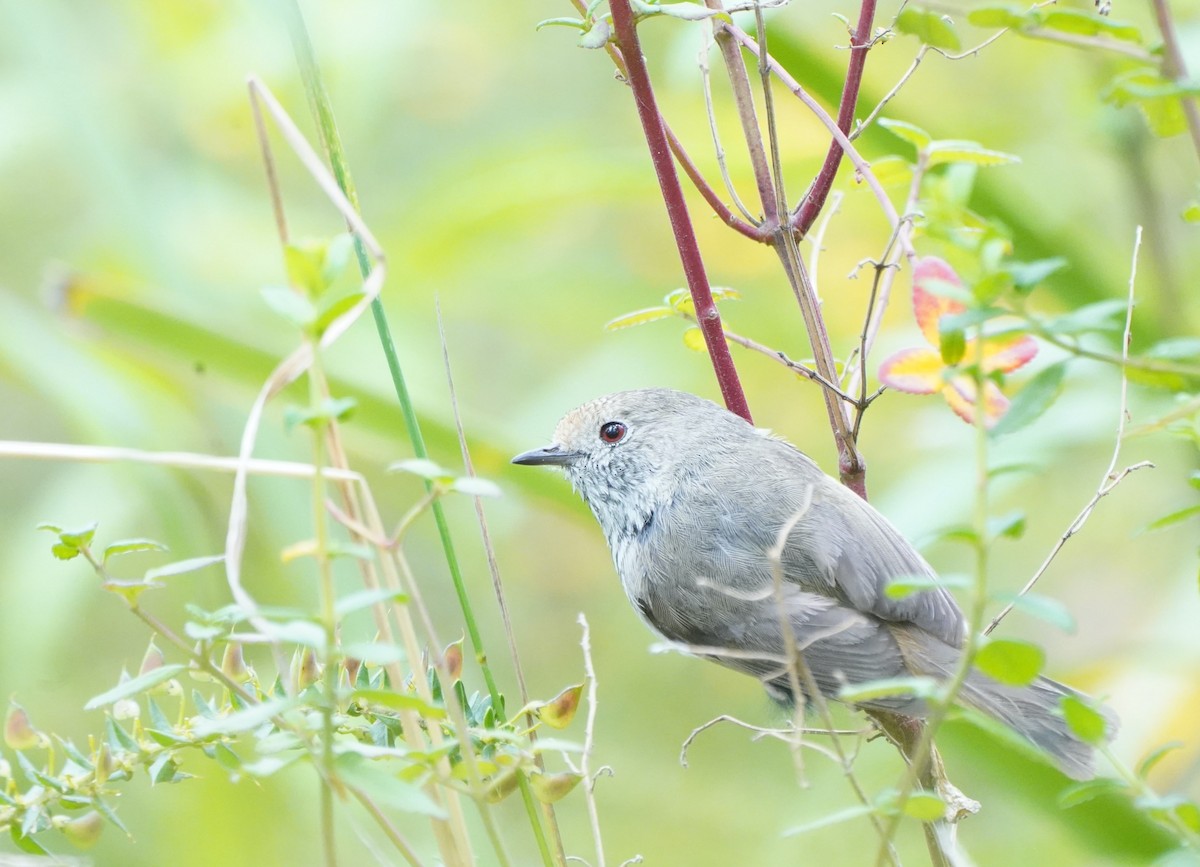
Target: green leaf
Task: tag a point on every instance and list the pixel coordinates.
(130, 546)
(1176, 349)
(952, 343)
(1177, 517)
(999, 16)
(903, 586)
(79, 538)
(331, 311)
(366, 599)
(549, 788)
(243, 720)
(639, 317)
(1010, 526)
(384, 787)
(946, 152)
(182, 567)
(693, 339)
(329, 409)
(892, 171)
(1028, 405)
(932, 28)
(399, 701)
(1096, 317)
(164, 770)
(1191, 214)
(1027, 275)
(596, 36)
(1081, 793)
(1016, 663)
(919, 687)
(1147, 764)
(1042, 607)
(685, 11)
(64, 552)
(422, 467)
(1085, 23)
(912, 134)
(305, 264)
(473, 486)
(375, 652)
(577, 23)
(336, 257)
(834, 818)
(1157, 97)
(1085, 721)
(560, 710)
(291, 305)
(925, 806)
(135, 685)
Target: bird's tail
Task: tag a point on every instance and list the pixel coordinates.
(1033, 711)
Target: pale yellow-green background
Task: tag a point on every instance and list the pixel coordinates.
(503, 170)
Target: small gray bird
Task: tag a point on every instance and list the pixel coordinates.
(693, 499)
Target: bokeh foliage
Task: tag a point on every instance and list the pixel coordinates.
(502, 169)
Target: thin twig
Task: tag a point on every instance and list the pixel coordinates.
(817, 238)
(797, 670)
(860, 44)
(1079, 41)
(1175, 68)
(890, 95)
(743, 100)
(863, 167)
(718, 148)
(781, 358)
(786, 735)
(681, 156)
(178, 460)
(498, 588)
(589, 740)
(1111, 477)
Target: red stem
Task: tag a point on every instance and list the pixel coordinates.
(860, 44)
(724, 214)
(707, 316)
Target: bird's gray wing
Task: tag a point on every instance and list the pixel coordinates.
(842, 546)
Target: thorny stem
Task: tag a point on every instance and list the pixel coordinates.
(685, 236)
(860, 44)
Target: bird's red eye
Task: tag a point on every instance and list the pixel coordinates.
(612, 431)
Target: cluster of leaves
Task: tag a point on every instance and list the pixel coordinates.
(1138, 78)
(677, 304)
(214, 702)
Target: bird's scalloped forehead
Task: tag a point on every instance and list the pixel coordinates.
(620, 405)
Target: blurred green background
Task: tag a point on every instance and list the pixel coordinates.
(504, 172)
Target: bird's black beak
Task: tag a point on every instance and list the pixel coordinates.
(553, 456)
